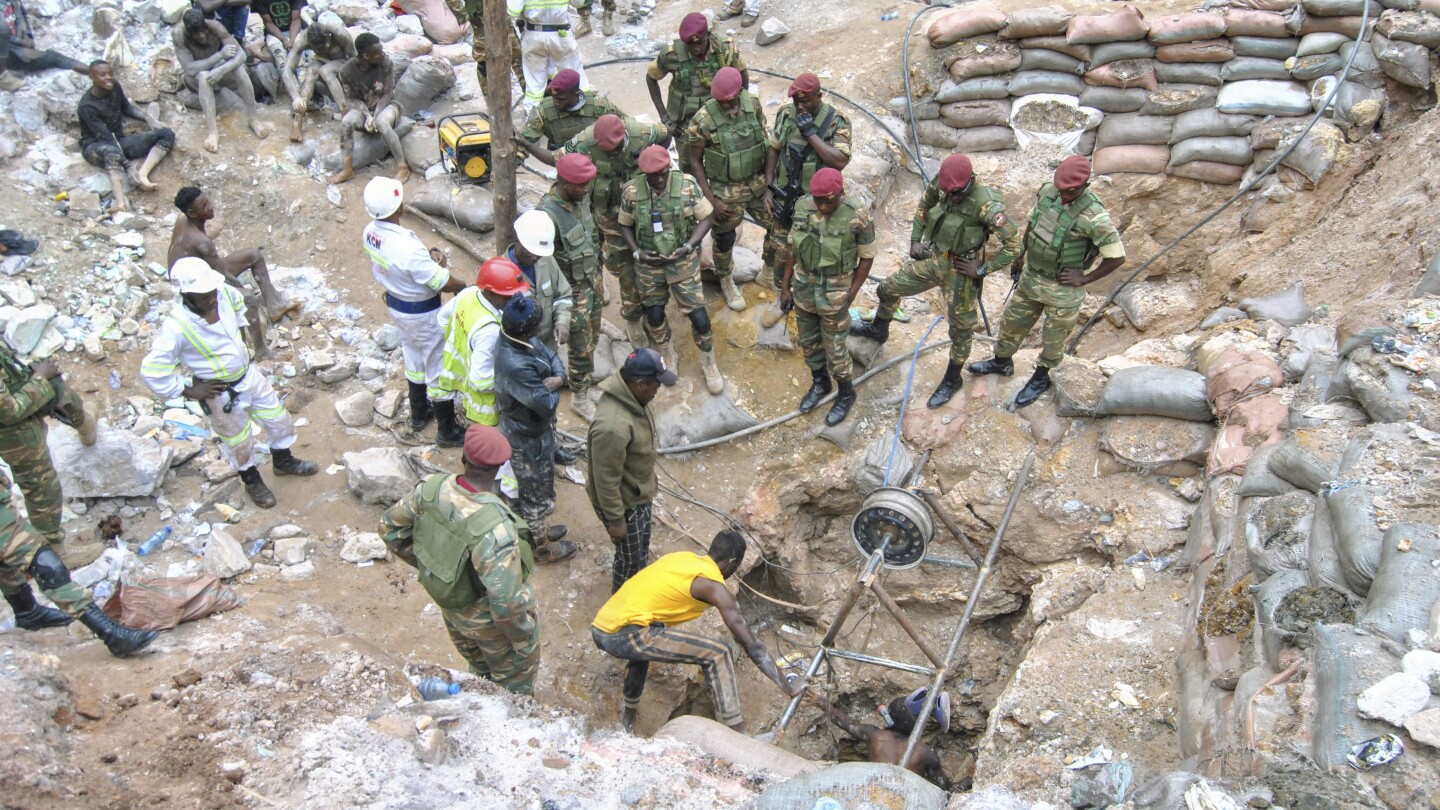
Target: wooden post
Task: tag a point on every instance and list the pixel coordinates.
(498, 31)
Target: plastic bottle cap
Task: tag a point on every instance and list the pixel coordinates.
(454, 689)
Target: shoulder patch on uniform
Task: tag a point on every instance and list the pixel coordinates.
(999, 220)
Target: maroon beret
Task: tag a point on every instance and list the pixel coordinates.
(566, 81)
(955, 172)
(1074, 172)
(575, 168)
(486, 447)
(804, 85)
(609, 132)
(694, 25)
(654, 159)
(827, 183)
(726, 84)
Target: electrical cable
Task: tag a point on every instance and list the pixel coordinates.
(909, 96)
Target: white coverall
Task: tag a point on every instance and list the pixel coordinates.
(412, 280)
(545, 52)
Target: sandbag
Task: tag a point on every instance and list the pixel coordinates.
(1208, 171)
(1044, 21)
(1296, 466)
(1031, 82)
(1260, 481)
(1349, 26)
(1269, 133)
(1117, 51)
(426, 78)
(1190, 27)
(469, 206)
(744, 752)
(1040, 59)
(1321, 43)
(1277, 533)
(1234, 151)
(1344, 662)
(1286, 307)
(1340, 8)
(370, 148)
(882, 455)
(1239, 374)
(853, 784)
(711, 417)
(1358, 105)
(984, 139)
(1302, 344)
(950, 28)
(1262, 97)
(1137, 159)
(1405, 62)
(1121, 25)
(1148, 443)
(1086, 144)
(1210, 122)
(935, 133)
(1155, 391)
(1209, 50)
(1173, 99)
(974, 89)
(1053, 119)
(412, 45)
(1365, 69)
(1133, 128)
(1244, 22)
(1124, 74)
(1187, 73)
(1002, 57)
(1268, 598)
(437, 20)
(1114, 99)
(1265, 48)
(1324, 568)
(1357, 537)
(160, 604)
(1265, 5)
(1418, 27)
(1058, 44)
(984, 113)
(1310, 68)
(1407, 584)
(1250, 424)
(1246, 68)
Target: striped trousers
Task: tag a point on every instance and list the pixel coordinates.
(641, 645)
(632, 553)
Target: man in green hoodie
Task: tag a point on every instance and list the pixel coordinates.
(622, 457)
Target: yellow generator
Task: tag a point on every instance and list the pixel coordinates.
(465, 146)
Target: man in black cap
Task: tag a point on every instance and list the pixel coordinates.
(527, 376)
(622, 454)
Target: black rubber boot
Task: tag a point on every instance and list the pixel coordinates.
(260, 495)
(819, 387)
(448, 432)
(564, 456)
(843, 403)
(29, 615)
(877, 330)
(1003, 366)
(949, 384)
(1039, 383)
(119, 639)
(285, 463)
(420, 411)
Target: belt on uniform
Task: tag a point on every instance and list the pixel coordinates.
(548, 29)
(412, 307)
(229, 389)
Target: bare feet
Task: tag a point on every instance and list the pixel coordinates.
(297, 132)
(263, 352)
(140, 182)
(283, 309)
(212, 142)
(261, 129)
(403, 173)
(341, 176)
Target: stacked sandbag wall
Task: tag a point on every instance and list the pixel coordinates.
(1184, 95)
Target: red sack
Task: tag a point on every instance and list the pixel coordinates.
(160, 604)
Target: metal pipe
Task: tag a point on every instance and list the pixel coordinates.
(917, 470)
(934, 504)
(882, 662)
(966, 564)
(904, 621)
(940, 675)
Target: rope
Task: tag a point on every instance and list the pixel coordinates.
(905, 403)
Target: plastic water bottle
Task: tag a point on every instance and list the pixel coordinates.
(155, 541)
(437, 688)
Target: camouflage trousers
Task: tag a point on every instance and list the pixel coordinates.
(1036, 296)
(24, 448)
(477, 50)
(961, 293)
(620, 260)
(822, 319)
(586, 5)
(776, 252)
(741, 199)
(489, 652)
(584, 330)
(19, 543)
(533, 460)
(682, 280)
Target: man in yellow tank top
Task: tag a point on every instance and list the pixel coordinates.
(637, 624)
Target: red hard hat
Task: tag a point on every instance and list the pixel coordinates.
(502, 277)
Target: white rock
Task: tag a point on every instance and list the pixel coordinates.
(379, 475)
(293, 550)
(304, 570)
(364, 546)
(51, 341)
(341, 371)
(356, 410)
(771, 30)
(370, 368)
(24, 329)
(312, 361)
(224, 558)
(17, 291)
(387, 403)
(1394, 699)
(285, 530)
(131, 239)
(1424, 727)
(1424, 665)
(118, 465)
(173, 10)
(432, 747)
(387, 337)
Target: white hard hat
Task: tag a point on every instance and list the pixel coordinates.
(536, 232)
(383, 196)
(193, 276)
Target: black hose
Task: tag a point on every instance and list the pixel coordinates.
(910, 98)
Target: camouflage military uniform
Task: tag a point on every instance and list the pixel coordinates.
(559, 126)
(473, 11)
(734, 163)
(678, 209)
(473, 556)
(953, 229)
(577, 255)
(690, 82)
(25, 401)
(19, 542)
(827, 251)
(785, 136)
(612, 172)
(1059, 237)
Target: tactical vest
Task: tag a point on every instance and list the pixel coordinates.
(690, 84)
(470, 314)
(959, 229)
(444, 541)
(612, 171)
(562, 125)
(575, 249)
(675, 227)
(786, 124)
(826, 245)
(740, 155)
(1051, 242)
(14, 372)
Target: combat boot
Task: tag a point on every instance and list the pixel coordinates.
(607, 23)
(564, 456)
(1003, 366)
(714, 383)
(285, 463)
(583, 405)
(86, 429)
(819, 388)
(583, 28)
(9, 82)
(551, 548)
(420, 410)
(734, 299)
(30, 615)
(1039, 383)
(448, 432)
(667, 351)
(949, 384)
(260, 495)
(877, 330)
(119, 639)
(843, 403)
(635, 331)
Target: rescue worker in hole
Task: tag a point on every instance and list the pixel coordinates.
(567, 204)
(566, 109)
(691, 62)
(888, 744)
(953, 222)
(1068, 229)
